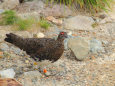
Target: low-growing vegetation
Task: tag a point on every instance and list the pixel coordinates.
(24, 24)
(9, 17)
(90, 4)
(44, 24)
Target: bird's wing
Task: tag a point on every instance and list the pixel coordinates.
(34, 45)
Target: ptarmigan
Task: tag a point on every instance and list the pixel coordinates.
(40, 49)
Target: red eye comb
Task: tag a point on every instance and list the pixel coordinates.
(62, 33)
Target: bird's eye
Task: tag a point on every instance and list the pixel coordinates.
(62, 33)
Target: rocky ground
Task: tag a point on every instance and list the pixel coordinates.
(89, 56)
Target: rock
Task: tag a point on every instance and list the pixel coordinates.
(33, 6)
(79, 46)
(79, 23)
(8, 73)
(4, 47)
(57, 11)
(96, 46)
(66, 44)
(108, 29)
(54, 20)
(24, 34)
(102, 16)
(1, 54)
(29, 15)
(113, 55)
(39, 35)
(69, 33)
(106, 20)
(105, 42)
(1, 11)
(16, 50)
(31, 78)
(9, 4)
(9, 82)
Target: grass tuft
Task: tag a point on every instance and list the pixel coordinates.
(96, 5)
(8, 17)
(44, 24)
(24, 24)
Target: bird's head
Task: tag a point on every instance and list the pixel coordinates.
(62, 35)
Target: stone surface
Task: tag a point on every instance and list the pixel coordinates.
(79, 23)
(108, 29)
(4, 47)
(32, 6)
(80, 47)
(8, 73)
(1, 11)
(29, 15)
(57, 11)
(54, 20)
(106, 20)
(96, 46)
(9, 82)
(40, 35)
(31, 78)
(9, 4)
(16, 50)
(24, 34)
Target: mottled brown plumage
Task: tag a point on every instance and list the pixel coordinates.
(21, 1)
(39, 48)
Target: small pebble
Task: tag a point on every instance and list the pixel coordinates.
(26, 61)
(8, 73)
(40, 35)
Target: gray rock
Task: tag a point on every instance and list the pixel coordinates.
(79, 23)
(9, 4)
(96, 46)
(4, 47)
(33, 6)
(24, 34)
(1, 11)
(105, 20)
(105, 42)
(66, 42)
(80, 47)
(16, 50)
(31, 78)
(107, 29)
(8, 73)
(57, 11)
(28, 15)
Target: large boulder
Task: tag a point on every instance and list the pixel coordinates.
(79, 23)
(9, 4)
(80, 47)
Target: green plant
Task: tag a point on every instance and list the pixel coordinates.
(90, 4)
(24, 24)
(94, 25)
(8, 17)
(44, 24)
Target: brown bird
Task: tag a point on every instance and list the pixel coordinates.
(21, 1)
(40, 49)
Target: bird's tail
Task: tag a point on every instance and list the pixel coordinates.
(13, 39)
